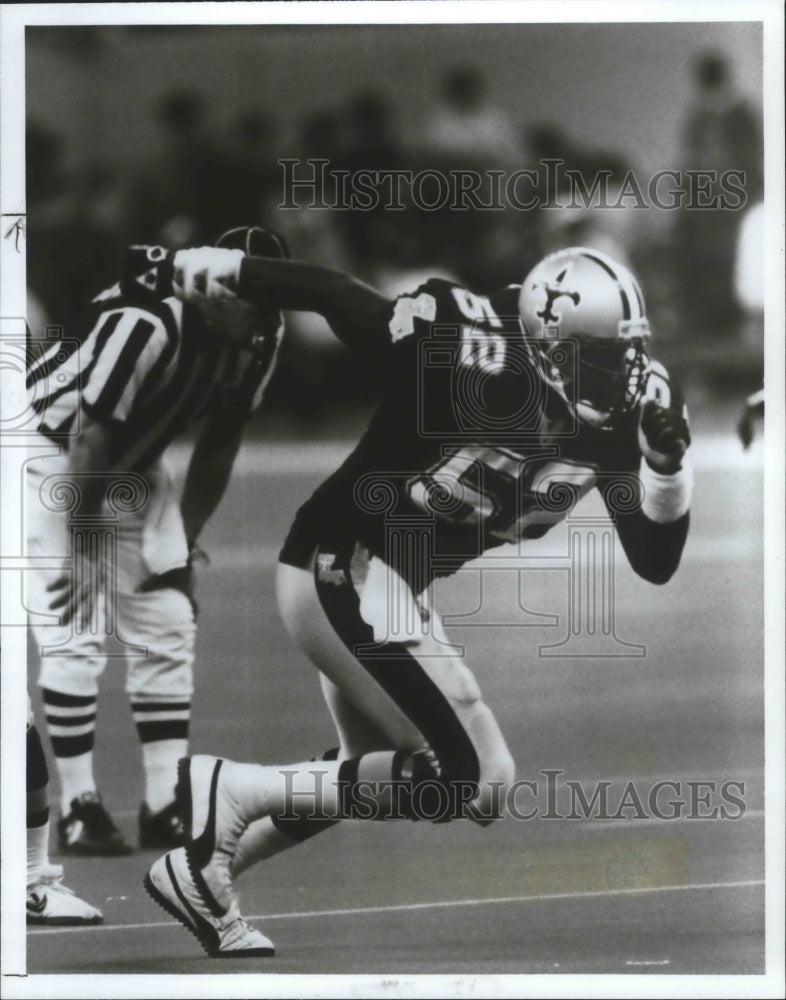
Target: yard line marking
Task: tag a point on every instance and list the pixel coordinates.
(660, 961)
(434, 905)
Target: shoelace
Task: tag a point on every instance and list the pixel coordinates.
(237, 930)
(52, 877)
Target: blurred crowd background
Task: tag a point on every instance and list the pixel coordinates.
(170, 135)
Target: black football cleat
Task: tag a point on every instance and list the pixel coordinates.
(163, 829)
(89, 830)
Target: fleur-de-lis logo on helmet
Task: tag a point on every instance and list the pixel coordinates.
(554, 292)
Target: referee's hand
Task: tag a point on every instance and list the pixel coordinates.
(73, 591)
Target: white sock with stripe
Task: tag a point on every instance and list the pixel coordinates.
(162, 727)
(160, 763)
(76, 777)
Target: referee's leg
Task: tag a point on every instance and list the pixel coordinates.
(71, 655)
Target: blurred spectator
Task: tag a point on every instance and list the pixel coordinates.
(370, 138)
(321, 135)
(102, 200)
(467, 131)
(312, 233)
(749, 284)
(369, 143)
(184, 196)
(253, 177)
(721, 133)
(71, 254)
(468, 124)
(314, 367)
(749, 266)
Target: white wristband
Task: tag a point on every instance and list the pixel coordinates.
(202, 273)
(666, 497)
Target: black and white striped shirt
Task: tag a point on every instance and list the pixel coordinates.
(147, 368)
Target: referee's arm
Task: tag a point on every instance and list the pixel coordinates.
(210, 468)
(89, 463)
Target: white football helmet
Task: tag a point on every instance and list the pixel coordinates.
(585, 325)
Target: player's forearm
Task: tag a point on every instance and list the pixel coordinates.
(654, 535)
(350, 306)
(654, 550)
(208, 475)
(89, 464)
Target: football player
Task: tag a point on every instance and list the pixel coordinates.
(498, 416)
(109, 401)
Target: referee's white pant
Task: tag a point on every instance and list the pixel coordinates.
(390, 687)
(155, 629)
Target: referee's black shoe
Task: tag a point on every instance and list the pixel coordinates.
(162, 829)
(89, 830)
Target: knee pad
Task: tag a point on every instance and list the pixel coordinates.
(436, 792)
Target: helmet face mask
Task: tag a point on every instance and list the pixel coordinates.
(583, 320)
(599, 380)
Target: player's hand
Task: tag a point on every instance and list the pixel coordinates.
(72, 592)
(182, 578)
(206, 273)
(664, 437)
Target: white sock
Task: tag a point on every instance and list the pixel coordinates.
(76, 777)
(259, 842)
(37, 849)
(268, 791)
(160, 759)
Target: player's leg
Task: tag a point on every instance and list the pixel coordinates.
(271, 835)
(48, 900)
(449, 753)
(171, 882)
(155, 613)
(423, 699)
(421, 695)
(71, 660)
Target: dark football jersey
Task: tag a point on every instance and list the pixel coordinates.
(468, 449)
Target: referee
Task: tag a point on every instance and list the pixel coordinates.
(109, 401)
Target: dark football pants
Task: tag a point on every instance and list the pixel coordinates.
(418, 697)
